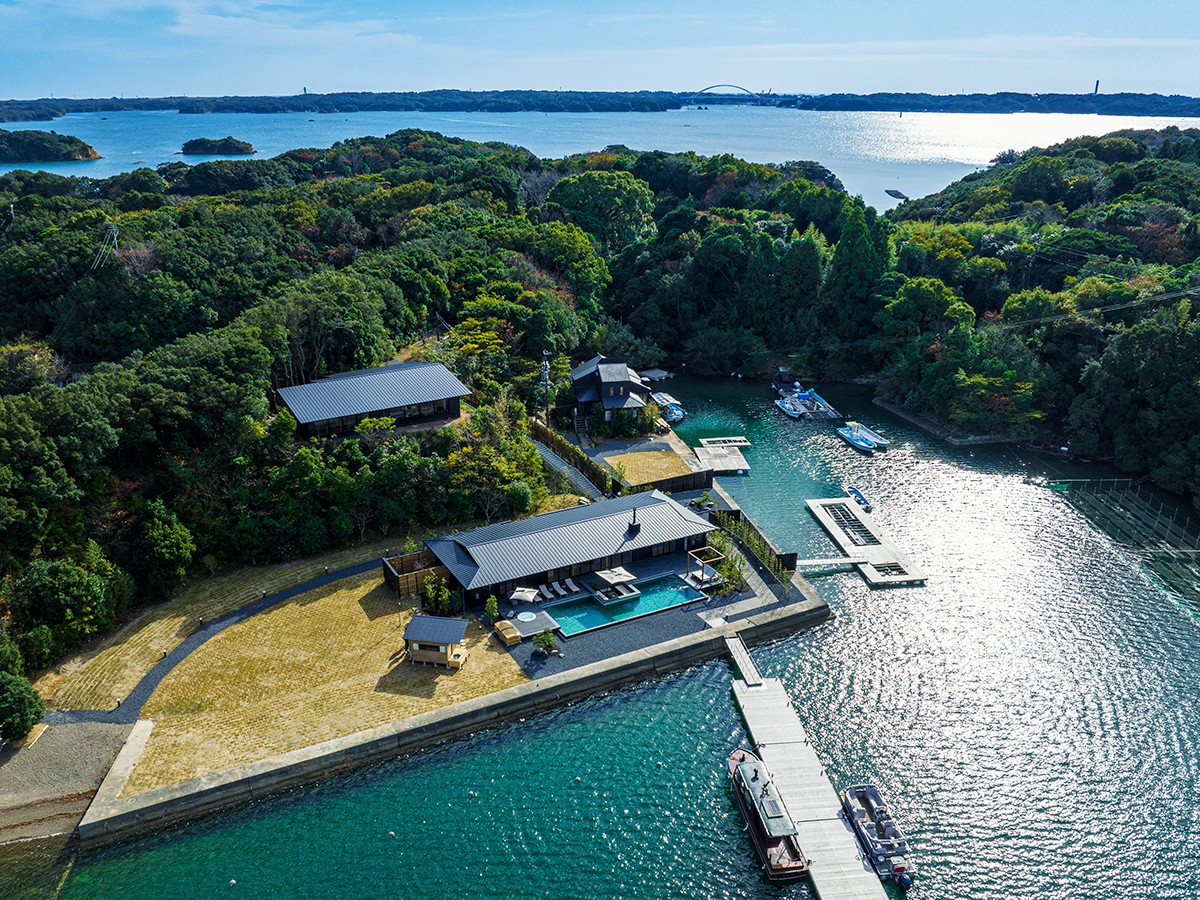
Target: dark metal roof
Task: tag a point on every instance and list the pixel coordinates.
(512, 551)
(371, 390)
(435, 630)
(629, 401)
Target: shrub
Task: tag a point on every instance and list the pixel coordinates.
(39, 647)
(20, 706)
(10, 653)
(544, 642)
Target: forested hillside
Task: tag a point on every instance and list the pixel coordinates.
(145, 319)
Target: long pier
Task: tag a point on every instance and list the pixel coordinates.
(836, 865)
(867, 548)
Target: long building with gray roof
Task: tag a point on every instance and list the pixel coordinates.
(407, 392)
(497, 558)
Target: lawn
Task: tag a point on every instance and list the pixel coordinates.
(100, 676)
(319, 666)
(648, 465)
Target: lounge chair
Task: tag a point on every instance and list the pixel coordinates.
(546, 593)
(559, 589)
(507, 632)
(573, 587)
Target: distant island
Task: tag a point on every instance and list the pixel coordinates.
(611, 101)
(42, 146)
(226, 146)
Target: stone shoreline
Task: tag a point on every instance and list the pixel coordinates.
(112, 818)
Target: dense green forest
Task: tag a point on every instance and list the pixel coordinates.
(146, 318)
(42, 146)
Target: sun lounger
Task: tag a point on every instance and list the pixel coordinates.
(573, 587)
(507, 632)
(558, 589)
(545, 591)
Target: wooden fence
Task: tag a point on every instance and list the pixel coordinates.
(406, 574)
(692, 481)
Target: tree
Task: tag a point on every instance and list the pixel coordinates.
(164, 551)
(614, 207)
(73, 603)
(20, 706)
(851, 279)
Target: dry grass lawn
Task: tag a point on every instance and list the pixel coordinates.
(102, 674)
(647, 466)
(319, 666)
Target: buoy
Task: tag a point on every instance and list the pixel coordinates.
(578, 779)
(391, 834)
(232, 882)
(472, 794)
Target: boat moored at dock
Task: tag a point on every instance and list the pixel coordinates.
(859, 498)
(790, 407)
(883, 844)
(767, 819)
(672, 409)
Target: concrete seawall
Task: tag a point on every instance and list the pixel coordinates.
(112, 818)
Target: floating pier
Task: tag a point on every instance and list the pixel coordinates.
(723, 455)
(879, 561)
(836, 865)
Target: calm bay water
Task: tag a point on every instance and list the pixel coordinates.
(917, 153)
(1032, 714)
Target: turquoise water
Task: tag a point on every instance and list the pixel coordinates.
(1032, 715)
(586, 613)
(919, 153)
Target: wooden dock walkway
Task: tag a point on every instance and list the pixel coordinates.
(742, 661)
(736, 441)
(836, 865)
(860, 538)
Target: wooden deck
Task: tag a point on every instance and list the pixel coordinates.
(722, 459)
(880, 561)
(737, 441)
(836, 866)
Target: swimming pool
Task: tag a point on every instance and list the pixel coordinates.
(586, 613)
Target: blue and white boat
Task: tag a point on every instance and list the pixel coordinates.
(859, 498)
(855, 439)
(790, 407)
(672, 410)
(880, 442)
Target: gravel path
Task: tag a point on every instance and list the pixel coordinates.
(54, 765)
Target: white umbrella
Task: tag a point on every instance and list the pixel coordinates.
(619, 575)
(524, 594)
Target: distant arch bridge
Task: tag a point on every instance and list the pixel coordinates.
(703, 93)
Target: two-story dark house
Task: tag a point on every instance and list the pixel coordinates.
(608, 381)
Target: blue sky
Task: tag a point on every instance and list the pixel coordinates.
(88, 48)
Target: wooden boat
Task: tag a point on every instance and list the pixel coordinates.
(771, 828)
(855, 439)
(859, 498)
(881, 840)
(880, 442)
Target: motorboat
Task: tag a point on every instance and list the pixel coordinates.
(859, 498)
(790, 407)
(672, 410)
(855, 439)
(771, 828)
(880, 442)
(883, 844)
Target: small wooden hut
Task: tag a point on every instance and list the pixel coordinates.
(436, 640)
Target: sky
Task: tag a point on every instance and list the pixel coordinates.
(108, 48)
